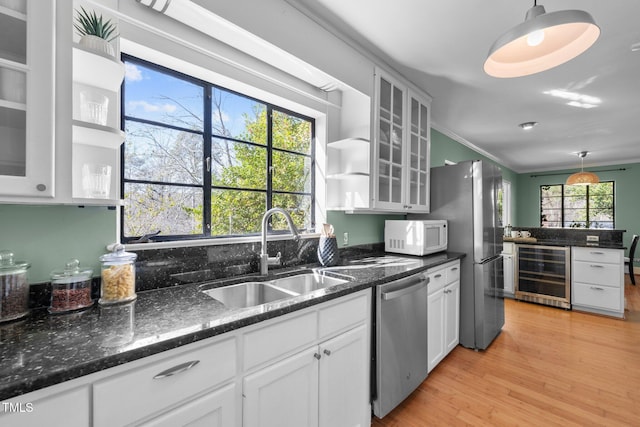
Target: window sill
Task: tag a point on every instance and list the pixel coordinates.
(211, 242)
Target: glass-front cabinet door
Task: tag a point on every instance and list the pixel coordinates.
(26, 98)
(418, 155)
(389, 139)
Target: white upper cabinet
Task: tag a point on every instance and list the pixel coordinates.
(390, 173)
(26, 98)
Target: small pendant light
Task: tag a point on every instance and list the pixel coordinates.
(542, 41)
(582, 177)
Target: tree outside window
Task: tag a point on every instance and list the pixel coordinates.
(203, 161)
(577, 206)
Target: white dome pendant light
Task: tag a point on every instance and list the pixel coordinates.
(542, 41)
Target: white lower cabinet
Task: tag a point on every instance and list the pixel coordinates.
(284, 394)
(597, 280)
(214, 409)
(307, 368)
(344, 380)
(326, 384)
(443, 312)
(62, 407)
(169, 384)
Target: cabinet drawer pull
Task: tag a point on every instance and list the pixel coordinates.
(317, 356)
(454, 269)
(596, 288)
(437, 276)
(596, 266)
(176, 369)
(327, 352)
(596, 253)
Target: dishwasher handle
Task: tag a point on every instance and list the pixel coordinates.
(411, 286)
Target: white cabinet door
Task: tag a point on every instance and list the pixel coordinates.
(451, 316)
(389, 144)
(215, 409)
(344, 379)
(26, 98)
(435, 328)
(284, 394)
(508, 274)
(59, 409)
(417, 160)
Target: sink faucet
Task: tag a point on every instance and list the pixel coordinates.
(265, 259)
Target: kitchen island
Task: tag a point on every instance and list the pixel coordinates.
(44, 350)
(572, 269)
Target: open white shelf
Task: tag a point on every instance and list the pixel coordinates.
(96, 69)
(97, 135)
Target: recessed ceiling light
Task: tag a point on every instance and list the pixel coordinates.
(527, 125)
(635, 47)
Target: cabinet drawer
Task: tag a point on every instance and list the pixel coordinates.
(453, 272)
(597, 255)
(138, 393)
(597, 273)
(271, 341)
(437, 280)
(603, 297)
(343, 315)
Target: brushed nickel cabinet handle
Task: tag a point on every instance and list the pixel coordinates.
(596, 288)
(176, 369)
(317, 356)
(596, 266)
(327, 352)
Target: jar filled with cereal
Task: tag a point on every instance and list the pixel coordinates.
(118, 275)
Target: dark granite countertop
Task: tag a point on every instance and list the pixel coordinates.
(561, 242)
(43, 350)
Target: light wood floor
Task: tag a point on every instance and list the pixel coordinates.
(548, 367)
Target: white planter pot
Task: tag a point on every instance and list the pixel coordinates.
(98, 44)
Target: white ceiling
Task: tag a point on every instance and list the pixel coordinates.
(441, 46)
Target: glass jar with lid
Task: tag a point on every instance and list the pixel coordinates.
(118, 273)
(70, 288)
(14, 287)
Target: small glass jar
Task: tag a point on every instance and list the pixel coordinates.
(118, 274)
(70, 288)
(14, 287)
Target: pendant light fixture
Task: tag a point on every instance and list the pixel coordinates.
(582, 177)
(542, 41)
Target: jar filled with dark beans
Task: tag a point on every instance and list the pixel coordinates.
(70, 288)
(14, 287)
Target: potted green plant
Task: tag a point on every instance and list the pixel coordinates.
(95, 32)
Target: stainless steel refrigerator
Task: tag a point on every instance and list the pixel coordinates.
(466, 195)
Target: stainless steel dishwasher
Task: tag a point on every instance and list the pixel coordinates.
(400, 341)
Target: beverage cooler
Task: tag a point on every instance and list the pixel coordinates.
(543, 275)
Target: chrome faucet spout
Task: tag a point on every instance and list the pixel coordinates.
(264, 257)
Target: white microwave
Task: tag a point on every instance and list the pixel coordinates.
(415, 237)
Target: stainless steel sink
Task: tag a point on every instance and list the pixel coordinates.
(248, 294)
(305, 283)
(251, 294)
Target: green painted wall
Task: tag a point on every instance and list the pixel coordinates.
(627, 214)
(48, 236)
(444, 148)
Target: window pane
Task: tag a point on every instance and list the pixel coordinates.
(292, 172)
(239, 165)
(155, 153)
(299, 207)
(291, 133)
(236, 212)
(173, 210)
(238, 117)
(162, 97)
